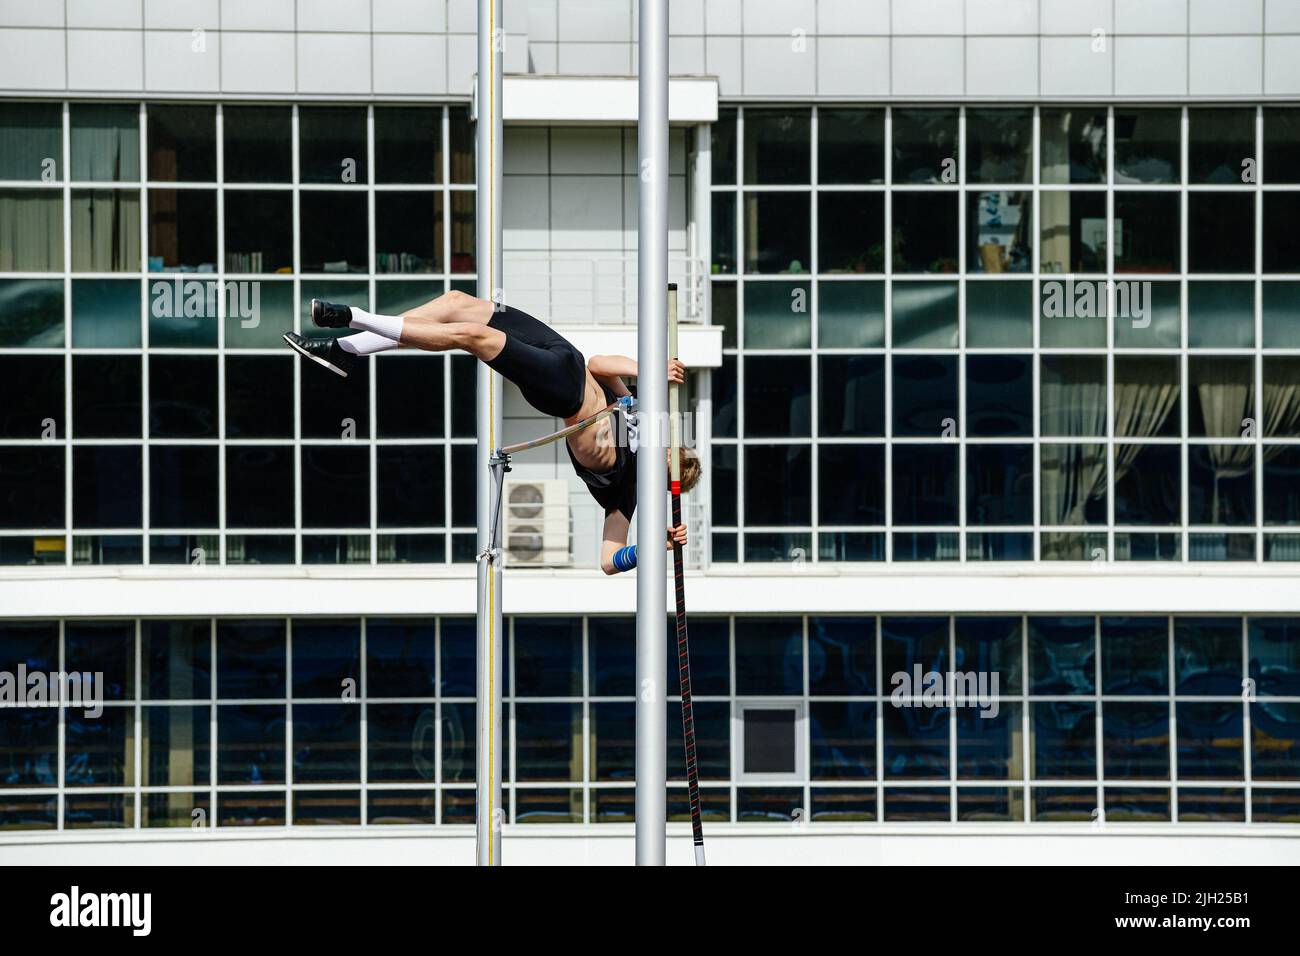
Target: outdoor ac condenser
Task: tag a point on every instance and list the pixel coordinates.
(536, 520)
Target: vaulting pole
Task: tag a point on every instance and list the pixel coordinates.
(679, 582)
(651, 473)
(491, 813)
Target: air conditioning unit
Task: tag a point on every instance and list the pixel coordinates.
(535, 515)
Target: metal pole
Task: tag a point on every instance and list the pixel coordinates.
(651, 473)
(491, 813)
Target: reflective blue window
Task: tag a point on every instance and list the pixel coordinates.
(1135, 740)
(106, 648)
(1210, 741)
(548, 652)
(1274, 741)
(1135, 655)
(327, 659)
(1062, 652)
(916, 741)
(250, 659)
(991, 645)
(250, 743)
(327, 743)
(1207, 655)
(842, 656)
(100, 750)
(843, 740)
(769, 655)
(1064, 740)
(1275, 655)
(989, 742)
(401, 658)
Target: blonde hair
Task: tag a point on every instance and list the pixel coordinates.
(690, 468)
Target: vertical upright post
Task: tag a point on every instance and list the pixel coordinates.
(651, 473)
(491, 813)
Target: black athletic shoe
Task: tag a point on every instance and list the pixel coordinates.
(327, 315)
(324, 351)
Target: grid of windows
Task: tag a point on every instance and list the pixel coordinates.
(981, 334)
(825, 719)
(152, 256)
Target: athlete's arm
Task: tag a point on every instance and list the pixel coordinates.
(613, 540)
(609, 367)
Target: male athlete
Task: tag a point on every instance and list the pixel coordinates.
(552, 375)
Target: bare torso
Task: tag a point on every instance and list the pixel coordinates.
(593, 447)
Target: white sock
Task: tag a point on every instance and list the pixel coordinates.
(366, 343)
(389, 326)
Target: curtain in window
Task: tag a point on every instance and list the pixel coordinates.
(105, 230)
(1080, 470)
(105, 144)
(31, 231)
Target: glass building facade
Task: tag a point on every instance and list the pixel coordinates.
(153, 256)
(1056, 333)
(317, 722)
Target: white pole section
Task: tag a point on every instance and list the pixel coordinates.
(491, 812)
(652, 463)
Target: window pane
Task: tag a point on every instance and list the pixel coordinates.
(851, 232)
(31, 487)
(842, 741)
(410, 486)
(1073, 227)
(1061, 655)
(778, 146)
(1074, 482)
(1207, 656)
(177, 746)
(925, 395)
(925, 484)
(258, 143)
(925, 314)
(1147, 146)
(259, 487)
(842, 656)
(105, 142)
(1281, 210)
(1210, 741)
(332, 144)
(262, 315)
(1146, 396)
(724, 233)
(1220, 233)
(769, 655)
(1148, 314)
(778, 230)
(999, 228)
(31, 141)
(182, 230)
(999, 314)
(925, 231)
(259, 396)
(333, 235)
(991, 645)
(999, 395)
(1147, 484)
(1220, 315)
(32, 396)
(259, 231)
(1146, 232)
(106, 396)
(408, 232)
(852, 399)
(107, 485)
(183, 396)
(38, 247)
(182, 144)
(1281, 144)
(335, 487)
(723, 147)
(462, 145)
(176, 660)
(1134, 656)
(1073, 145)
(1222, 393)
(849, 314)
(1135, 740)
(1221, 484)
(183, 486)
(1220, 142)
(777, 315)
(105, 230)
(31, 312)
(852, 484)
(408, 145)
(999, 145)
(777, 485)
(999, 484)
(850, 146)
(925, 145)
(777, 396)
(1280, 305)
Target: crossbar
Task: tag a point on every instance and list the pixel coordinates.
(626, 402)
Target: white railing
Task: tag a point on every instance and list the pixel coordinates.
(596, 289)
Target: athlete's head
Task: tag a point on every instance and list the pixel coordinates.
(690, 468)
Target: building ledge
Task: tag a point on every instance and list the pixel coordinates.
(601, 100)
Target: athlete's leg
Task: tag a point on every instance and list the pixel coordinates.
(475, 338)
(453, 306)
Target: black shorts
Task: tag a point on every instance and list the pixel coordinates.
(548, 370)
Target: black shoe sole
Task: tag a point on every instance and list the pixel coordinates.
(319, 361)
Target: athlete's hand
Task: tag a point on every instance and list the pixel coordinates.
(676, 372)
(677, 536)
